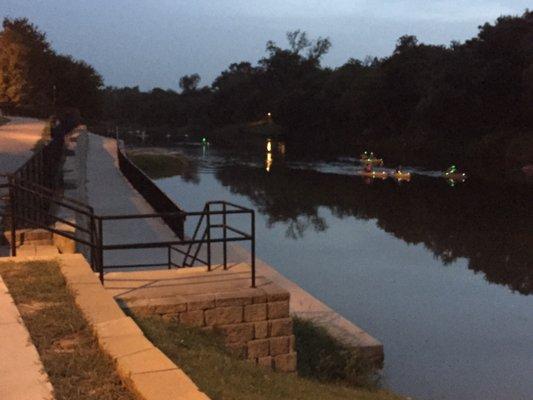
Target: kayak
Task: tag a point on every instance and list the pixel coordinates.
(373, 161)
(402, 176)
(374, 174)
(458, 176)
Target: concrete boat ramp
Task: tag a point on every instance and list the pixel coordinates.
(103, 186)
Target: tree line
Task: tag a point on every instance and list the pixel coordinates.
(37, 81)
(469, 102)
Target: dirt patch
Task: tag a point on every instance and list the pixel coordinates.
(27, 309)
(67, 344)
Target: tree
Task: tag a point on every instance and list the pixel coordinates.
(405, 43)
(25, 58)
(189, 83)
(34, 79)
(76, 84)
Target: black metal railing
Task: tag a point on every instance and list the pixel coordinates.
(24, 197)
(40, 171)
(23, 209)
(205, 234)
(43, 167)
(160, 202)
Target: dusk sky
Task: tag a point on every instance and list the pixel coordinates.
(153, 43)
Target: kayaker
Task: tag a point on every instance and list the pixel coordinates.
(452, 170)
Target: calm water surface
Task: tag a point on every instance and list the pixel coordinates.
(442, 275)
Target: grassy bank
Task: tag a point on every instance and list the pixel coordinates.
(68, 350)
(324, 358)
(221, 375)
(161, 165)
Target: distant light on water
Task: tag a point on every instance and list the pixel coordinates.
(268, 162)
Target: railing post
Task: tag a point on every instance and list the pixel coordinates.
(12, 206)
(208, 237)
(224, 234)
(93, 241)
(253, 248)
(100, 251)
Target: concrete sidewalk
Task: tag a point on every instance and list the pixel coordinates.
(17, 139)
(109, 192)
(22, 376)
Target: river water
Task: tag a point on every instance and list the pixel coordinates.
(441, 273)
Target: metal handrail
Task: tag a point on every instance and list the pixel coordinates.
(187, 254)
(39, 217)
(158, 199)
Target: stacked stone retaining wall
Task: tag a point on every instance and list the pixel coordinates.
(255, 323)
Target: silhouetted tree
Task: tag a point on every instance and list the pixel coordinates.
(423, 103)
(189, 83)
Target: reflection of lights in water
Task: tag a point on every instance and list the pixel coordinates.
(269, 145)
(204, 150)
(268, 162)
(281, 148)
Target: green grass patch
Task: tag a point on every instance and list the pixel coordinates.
(77, 369)
(222, 376)
(323, 357)
(161, 165)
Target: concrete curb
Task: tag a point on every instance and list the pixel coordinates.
(149, 373)
(22, 375)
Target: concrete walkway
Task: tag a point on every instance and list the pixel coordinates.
(22, 376)
(109, 192)
(17, 138)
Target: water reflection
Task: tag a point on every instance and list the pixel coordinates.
(490, 226)
(269, 153)
(268, 162)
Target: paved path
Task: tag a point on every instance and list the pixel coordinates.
(109, 192)
(17, 138)
(21, 372)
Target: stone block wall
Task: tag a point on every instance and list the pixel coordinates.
(255, 322)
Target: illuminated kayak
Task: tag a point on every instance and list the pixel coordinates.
(456, 176)
(402, 176)
(374, 174)
(373, 161)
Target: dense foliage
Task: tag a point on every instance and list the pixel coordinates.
(424, 104)
(469, 101)
(35, 80)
